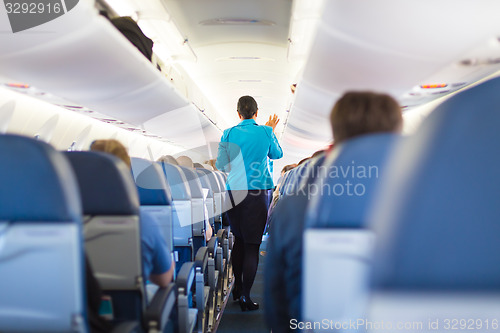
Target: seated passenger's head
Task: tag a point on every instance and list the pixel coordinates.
(358, 113)
(112, 146)
(185, 161)
(287, 168)
(168, 159)
(247, 107)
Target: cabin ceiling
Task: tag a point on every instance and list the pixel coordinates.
(418, 51)
(241, 49)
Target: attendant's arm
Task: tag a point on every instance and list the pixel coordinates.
(275, 151)
(222, 162)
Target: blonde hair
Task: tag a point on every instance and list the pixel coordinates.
(114, 147)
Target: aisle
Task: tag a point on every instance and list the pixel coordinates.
(236, 321)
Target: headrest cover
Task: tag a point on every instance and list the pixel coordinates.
(36, 182)
(311, 172)
(193, 182)
(106, 184)
(151, 183)
(344, 190)
(214, 181)
(177, 181)
(297, 176)
(205, 182)
(437, 220)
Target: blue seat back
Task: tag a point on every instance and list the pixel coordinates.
(438, 215)
(151, 183)
(112, 229)
(41, 252)
(155, 195)
(343, 193)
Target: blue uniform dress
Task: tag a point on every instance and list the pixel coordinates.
(243, 152)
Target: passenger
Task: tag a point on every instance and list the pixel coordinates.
(243, 152)
(208, 167)
(168, 159)
(211, 163)
(354, 114)
(157, 262)
(198, 166)
(185, 161)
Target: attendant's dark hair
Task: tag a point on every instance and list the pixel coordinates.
(358, 113)
(247, 107)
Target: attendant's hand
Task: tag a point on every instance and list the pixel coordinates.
(273, 121)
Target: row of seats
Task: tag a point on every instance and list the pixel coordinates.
(55, 207)
(414, 245)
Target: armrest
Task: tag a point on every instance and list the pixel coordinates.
(185, 278)
(157, 314)
(212, 246)
(127, 327)
(221, 235)
(201, 258)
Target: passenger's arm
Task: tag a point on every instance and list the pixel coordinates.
(208, 231)
(162, 280)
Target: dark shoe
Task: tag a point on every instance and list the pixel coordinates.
(236, 293)
(248, 304)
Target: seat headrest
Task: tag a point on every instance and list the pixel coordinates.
(299, 175)
(311, 172)
(437, 219)
(205, 182)
(36, 182)
(151, 183)
(343, 192)
(193, 182)
(106, 184)
(177, 181)
(214, 181)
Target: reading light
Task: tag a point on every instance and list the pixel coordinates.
(433, 86)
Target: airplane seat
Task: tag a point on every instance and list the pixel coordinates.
(214, 279)
(198, 205)
(182, 217)
(284, 182)
(207, 187)
(42, 284)
(202, 289)
(300, 173)
(222, 238)
(185, 284)
(218, 189)
(436, 220)
(337, 245)
(222, 178)
(112, 232)
(154, 195)
(290, 181)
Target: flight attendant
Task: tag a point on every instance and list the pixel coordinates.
(243, 152)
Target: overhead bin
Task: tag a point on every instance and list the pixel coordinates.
(392, 52)
(82, 58)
